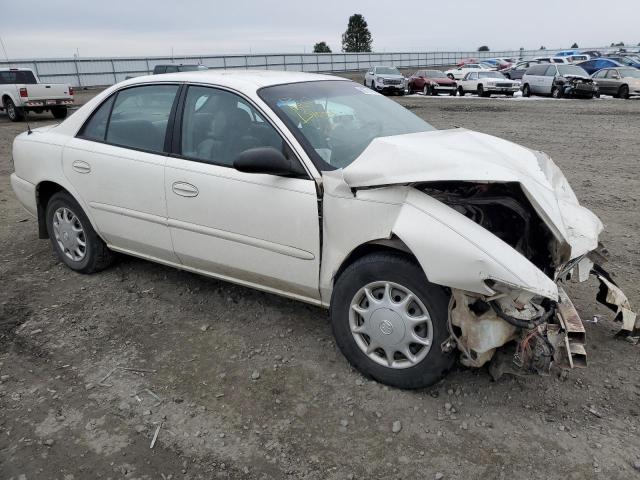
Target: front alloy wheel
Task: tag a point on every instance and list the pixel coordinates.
(390, 322)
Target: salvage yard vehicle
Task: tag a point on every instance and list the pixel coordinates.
(22, 92)
(558, 81)
(486, 83)
(621, 82)
(516, 71)
(459, 72)
(595, 64)
(385, 79)
(173, 68)
(430, 82)
(421, 242)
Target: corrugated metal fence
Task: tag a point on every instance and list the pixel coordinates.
(89, 72)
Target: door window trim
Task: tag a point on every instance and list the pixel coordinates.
(176, 133)
(114, 95)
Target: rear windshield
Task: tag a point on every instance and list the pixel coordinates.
(17, 76)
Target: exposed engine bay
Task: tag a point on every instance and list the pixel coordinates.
(537, 331)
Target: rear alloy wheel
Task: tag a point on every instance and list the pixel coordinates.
(623, 92)
(73, 238)
(390, 322)
(14, 113)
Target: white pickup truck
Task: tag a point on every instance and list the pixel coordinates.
(21, 91)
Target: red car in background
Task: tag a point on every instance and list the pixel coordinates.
(431, 82)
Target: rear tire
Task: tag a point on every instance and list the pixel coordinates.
(73, 238)
(450, 75)
(14, 113)
(59, 112)
(386, 364)
(461, 91)
(426, 90)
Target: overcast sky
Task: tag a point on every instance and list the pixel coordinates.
(59, 28)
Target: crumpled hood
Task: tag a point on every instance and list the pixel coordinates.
(464, 155)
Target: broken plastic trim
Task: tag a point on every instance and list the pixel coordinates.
(528, 324)
(612, 297)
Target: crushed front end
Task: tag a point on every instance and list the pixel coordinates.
(532, 332)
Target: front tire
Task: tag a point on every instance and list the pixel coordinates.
(526, 90)
(73, 238)
(390, 322)
(14, 113)
(461, 91)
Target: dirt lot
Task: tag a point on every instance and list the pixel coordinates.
(249, 385)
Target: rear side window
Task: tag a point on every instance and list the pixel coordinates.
(140, 116)
(17, 76)
(96, 127)
(551, 71)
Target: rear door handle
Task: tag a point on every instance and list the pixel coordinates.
(81, 167)
(184, 189)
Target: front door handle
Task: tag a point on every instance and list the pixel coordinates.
(184, 189)
(81, 167)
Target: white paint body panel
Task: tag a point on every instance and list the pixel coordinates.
(264, 231)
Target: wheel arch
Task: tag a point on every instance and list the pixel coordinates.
(393, 244)
(6, 97)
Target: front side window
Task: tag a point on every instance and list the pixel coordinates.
(600, 74)
(218, 125)
(336, 120)
(140, 116)
(551, 71)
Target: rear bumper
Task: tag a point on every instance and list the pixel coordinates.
(44, 103)
(26, 193)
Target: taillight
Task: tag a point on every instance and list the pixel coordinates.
(23, 92)
(70, 91)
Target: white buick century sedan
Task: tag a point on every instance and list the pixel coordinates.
(424, 244)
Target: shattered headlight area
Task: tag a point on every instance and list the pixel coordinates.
(523, 333)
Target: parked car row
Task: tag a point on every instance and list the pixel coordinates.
(570, 73)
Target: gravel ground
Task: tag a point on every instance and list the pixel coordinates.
(245, 384)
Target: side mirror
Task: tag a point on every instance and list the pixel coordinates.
(267, 160)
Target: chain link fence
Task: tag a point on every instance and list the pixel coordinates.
(92, 72)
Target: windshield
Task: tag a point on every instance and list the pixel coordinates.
(629, 72)
(434, 74)
(572, 70)
(336, 120)
(387, 71)
(490, 75)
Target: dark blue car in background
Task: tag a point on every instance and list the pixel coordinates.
(627, 60)
(595, 64)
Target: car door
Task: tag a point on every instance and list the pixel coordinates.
(604, 84)
(256, 229)
(116, 165)
(613, 81)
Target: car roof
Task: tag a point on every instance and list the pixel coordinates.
(238, 79)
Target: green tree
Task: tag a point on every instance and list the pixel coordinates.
(483, 48)
(543, 47)
(575, 45)
(357, 37)
(321, 47)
